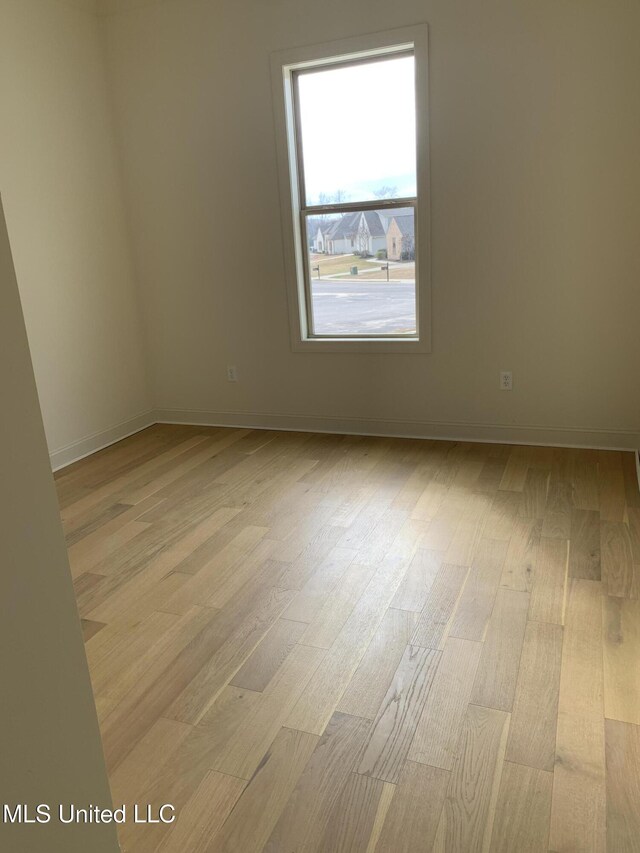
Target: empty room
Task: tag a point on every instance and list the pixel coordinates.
(320, 518)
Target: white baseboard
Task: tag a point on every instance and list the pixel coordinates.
(601, 439)
(64, 456)
(489, 433)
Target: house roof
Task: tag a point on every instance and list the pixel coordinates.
(343, 227)
(313, 223)
(395, 211)
(406, 225)
(378, 222)
(374, 223)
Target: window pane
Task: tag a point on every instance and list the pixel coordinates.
(362, 272)
(358, 131)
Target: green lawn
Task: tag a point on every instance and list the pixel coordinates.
(336, 264)
(405, 272)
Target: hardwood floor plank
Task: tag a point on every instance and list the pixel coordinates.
(178, 775)
(219, 725)
(354, 815)
(231, 580)
(429, 502)
(251, 823)
(534, 493)
(134, 571)
(438, 730)
(194, 674)
(468, 534)
(584, 551)
(117, 656)
(469, 808)
(151, 688)
(578, 818)
(446, 520)
(304, 820)
(90, 629)
(476, 601)
(418, 580)
(241, 591)
(86, 588)
(316, 591)
(612, 494)
(502, 516)
(323, 693)
(623, 786)
(116, 487)
(618, 570)
(225, 564)
(206, 673)
(384, 803)
(557, 516)
(269, 655)
(73, 481)
(203, 815)
(246, 748)
(633, 517)
(84, 555)
(304, 552)
(495, 683)
(532, 736)
(368, 686)
(491, 475)
(586, 493)
(522, 554)
(395, 724)
(144, 488)
(329, 620)
(550, 581)
(157, 746)
(515, 473)
(621, 639)
(437, 614)
(413, 816)
(380, 540)
(522, 813)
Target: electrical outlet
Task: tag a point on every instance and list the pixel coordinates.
(506, 380)
(232, 373)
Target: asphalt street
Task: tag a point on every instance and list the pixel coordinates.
(367, 307)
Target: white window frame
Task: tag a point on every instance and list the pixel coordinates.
(283, 65)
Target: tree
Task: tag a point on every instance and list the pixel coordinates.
(338, 197)
(407, 248)
(362, 238)
(386, 192)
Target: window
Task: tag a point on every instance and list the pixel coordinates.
(353, 162)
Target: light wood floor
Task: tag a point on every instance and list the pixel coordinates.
(333, 643)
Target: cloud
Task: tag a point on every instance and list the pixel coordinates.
(358, 128)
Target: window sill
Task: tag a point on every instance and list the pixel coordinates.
(361, 345)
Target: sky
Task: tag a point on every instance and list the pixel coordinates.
(358, 129)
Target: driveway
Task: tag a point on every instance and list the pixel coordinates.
(368, 307)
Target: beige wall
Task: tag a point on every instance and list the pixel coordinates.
(61, 184)
(147, 185)
(51, 750)
(535, 197)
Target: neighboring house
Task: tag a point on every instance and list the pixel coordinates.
(370, 233)
(362, 232)
(340, 238)
(401, 238)
(314, 226)
(386, 215)
(317, 243)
